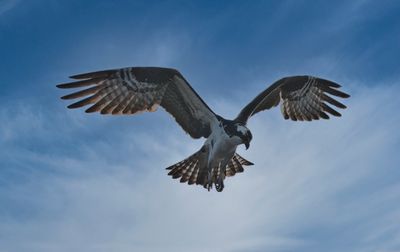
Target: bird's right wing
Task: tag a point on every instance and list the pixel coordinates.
(137, 89)
(302, 98)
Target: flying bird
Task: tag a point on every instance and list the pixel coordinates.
(131, 90)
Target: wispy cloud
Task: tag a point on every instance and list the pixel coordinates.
(8, 5)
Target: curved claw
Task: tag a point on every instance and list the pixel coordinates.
(219, 186)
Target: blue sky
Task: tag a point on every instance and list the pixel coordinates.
(72, 181)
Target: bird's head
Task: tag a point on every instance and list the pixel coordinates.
(244, 133)
(237, 130)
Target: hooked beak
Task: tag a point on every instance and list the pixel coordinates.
(247, 139)
(247, 143)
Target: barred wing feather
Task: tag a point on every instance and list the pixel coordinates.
(303, 98)
(139, 89)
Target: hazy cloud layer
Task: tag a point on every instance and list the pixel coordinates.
(337, 177)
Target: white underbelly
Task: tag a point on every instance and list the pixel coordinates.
(222, 148)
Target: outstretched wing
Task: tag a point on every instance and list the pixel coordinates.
(138, 89)
(302, 98)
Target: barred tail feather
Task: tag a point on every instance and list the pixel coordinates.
(193, 170)
(236, 165)
(190, 169)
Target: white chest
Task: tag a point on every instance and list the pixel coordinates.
(221, 145)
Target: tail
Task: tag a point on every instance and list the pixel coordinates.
(193, 169)
(236, 165)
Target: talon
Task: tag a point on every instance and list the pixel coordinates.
(219, 186)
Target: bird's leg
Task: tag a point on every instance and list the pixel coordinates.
(209, 180)
(219, 184)
(216, 175)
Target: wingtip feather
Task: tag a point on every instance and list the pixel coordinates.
(73, 106)
(63, 85)
(92, 109)
(323, 115)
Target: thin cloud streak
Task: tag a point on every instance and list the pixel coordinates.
(7, 5)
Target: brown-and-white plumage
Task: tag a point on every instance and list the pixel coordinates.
(302, 98)
(139, 89)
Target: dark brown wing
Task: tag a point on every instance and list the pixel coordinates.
(138, 89)
(303, 98)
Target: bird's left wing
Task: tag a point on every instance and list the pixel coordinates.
(138, 89)
(302, 98)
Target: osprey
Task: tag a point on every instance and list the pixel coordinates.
(136, 89)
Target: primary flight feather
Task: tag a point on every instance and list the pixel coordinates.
(138, 89)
